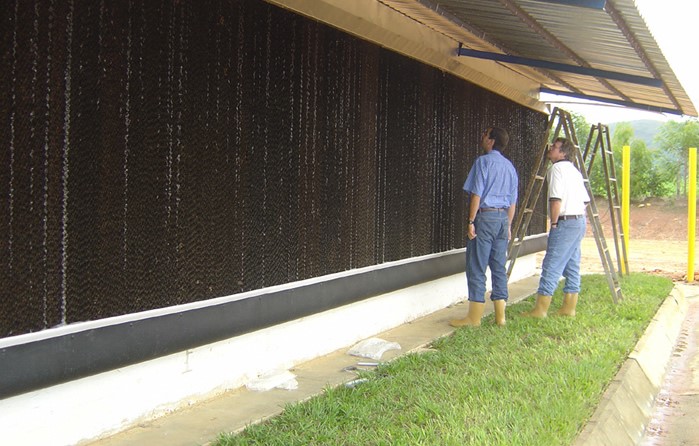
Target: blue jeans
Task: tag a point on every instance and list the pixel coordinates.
(489, 248)
(562, 257)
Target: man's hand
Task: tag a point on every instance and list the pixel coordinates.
(471, 231)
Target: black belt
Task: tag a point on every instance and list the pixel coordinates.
(492, 210)
(569, 217)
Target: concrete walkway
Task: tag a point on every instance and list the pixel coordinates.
(620, 419)
(201, 423)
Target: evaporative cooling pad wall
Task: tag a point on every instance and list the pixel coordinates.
(157, 153)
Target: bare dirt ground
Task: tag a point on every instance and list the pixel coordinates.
(657, 239)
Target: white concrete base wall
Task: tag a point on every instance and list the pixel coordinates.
(106, 403)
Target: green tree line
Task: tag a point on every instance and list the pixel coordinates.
(657, 171)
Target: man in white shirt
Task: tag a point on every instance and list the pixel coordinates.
(568, 198)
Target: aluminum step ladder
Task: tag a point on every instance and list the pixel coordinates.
(598, 142)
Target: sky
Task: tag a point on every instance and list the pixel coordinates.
(675, 26)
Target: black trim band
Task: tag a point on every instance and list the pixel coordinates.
(46, 362)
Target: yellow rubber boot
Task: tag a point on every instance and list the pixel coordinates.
(473, 318)
(570, 301)
(500, 312)
(540, 308)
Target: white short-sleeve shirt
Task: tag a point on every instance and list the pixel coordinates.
(565, 182)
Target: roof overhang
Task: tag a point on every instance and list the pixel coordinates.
(592, 49)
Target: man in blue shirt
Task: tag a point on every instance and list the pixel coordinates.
(492, 185)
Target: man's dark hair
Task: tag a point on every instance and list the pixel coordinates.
(567, 147)
(500, 136)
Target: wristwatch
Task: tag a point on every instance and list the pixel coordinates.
(471, 222)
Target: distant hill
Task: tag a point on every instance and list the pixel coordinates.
(644, 129)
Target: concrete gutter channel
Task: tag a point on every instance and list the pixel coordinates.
(627, 404)
(620, 418)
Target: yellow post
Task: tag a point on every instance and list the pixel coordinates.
(626, 194)
(691, 212)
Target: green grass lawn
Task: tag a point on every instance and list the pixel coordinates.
(533, 382)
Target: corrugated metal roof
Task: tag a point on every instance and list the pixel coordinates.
(613, 39)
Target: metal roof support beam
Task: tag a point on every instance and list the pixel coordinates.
(586, 71)
(592, 4)
(651, 108)
(488, 39)
(550, 38)
(621, 23)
